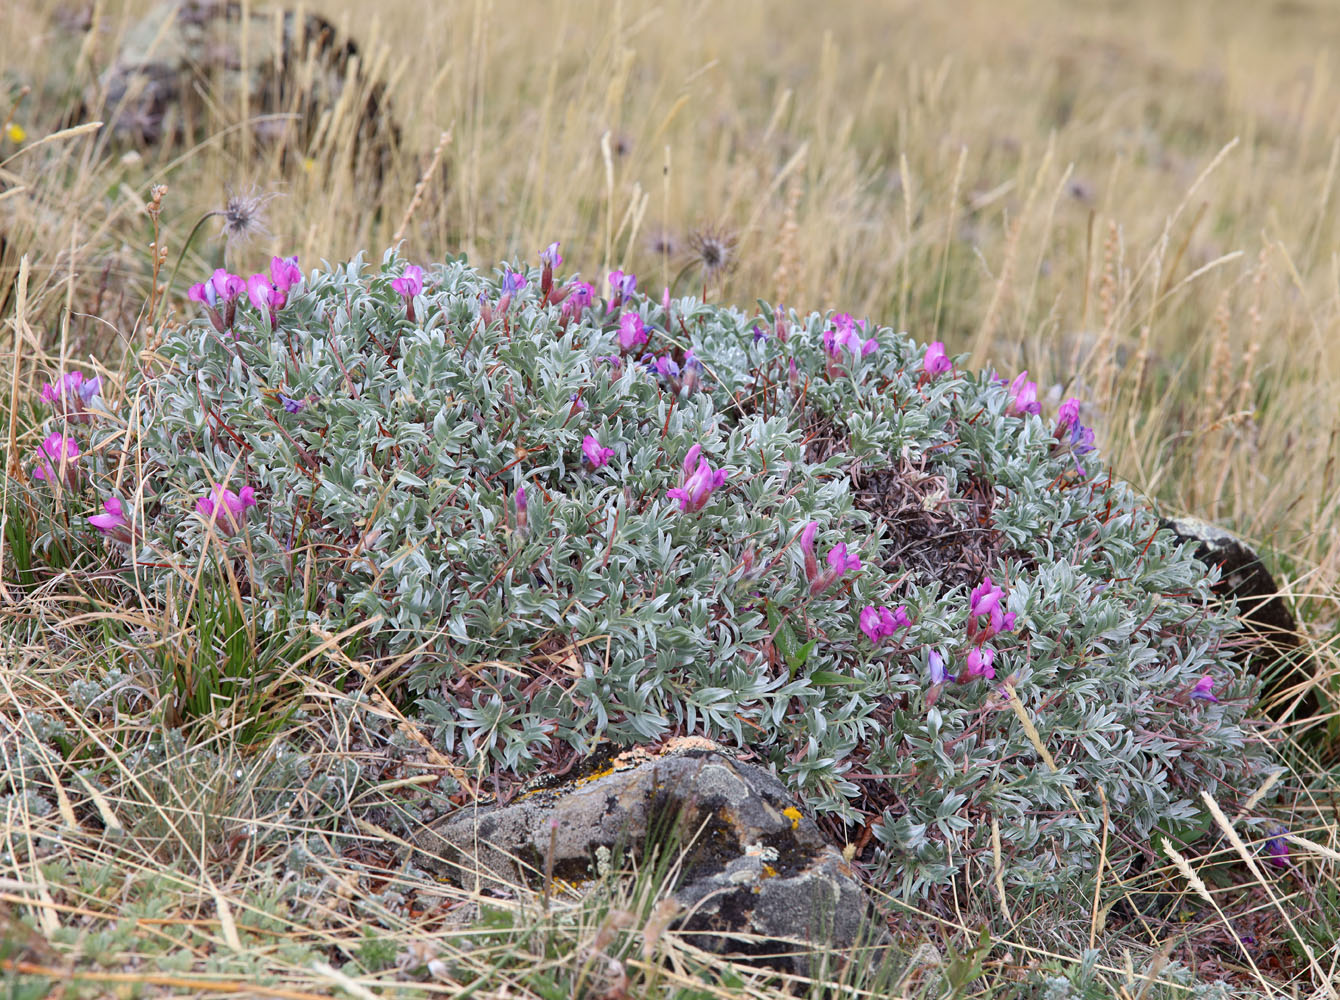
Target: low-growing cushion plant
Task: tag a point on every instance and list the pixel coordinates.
(547, 518)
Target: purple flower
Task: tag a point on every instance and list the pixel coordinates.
(622, 285)
(807, 547)
(290, 404)
(270, 295)
(879, 623)
(981, 663)
(1204, 689)
(870, 623)
(69, 394)
(522, 508)
(846, 336)
(226, 509)
(513, 282)
(57, 450)
(579, 296)
(759, 333)
(550, 257)
(665, 366)
(595, 454)
(1081, 443)
(113, 523)
(691, 459)
(1277, 847)
(632, 332)
(410, 282)
(227, 286)
(1023, 396)
(285, 273)
(1067, 416)
(936, 361)
(264, 295)
(838, 560)
(221, 288)
(935, 664)
(985, 598)
(203, 292)
(698, 484)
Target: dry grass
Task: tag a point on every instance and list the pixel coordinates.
(1133, 200)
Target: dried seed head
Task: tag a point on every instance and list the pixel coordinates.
(713, 250)
(243, 215)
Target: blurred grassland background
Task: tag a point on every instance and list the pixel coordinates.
(1133, 200)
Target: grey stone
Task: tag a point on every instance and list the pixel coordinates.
(1271, 629)
(293, 69)
(755, 875)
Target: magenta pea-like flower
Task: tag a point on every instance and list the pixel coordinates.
(285, 273)
(981, 663)
(632, 332)
(113, 523)
(699, 483)
(407, 286)
(937, 360)
(550, 257)
(935, 667)
(513, 282)
(622, 286)
(522, 508)
(577, 297)
(270, 294)
(879, 622)
(846, 336)
(807, 548)
(595, 454)
(227, 286)
(839, 561)
(226, 509)
(410, 282)
(70, 394)
(223, 289)
(1067, 416)
(56, 452)
(988, 599)
(1204, 689)
(985, 598)
(1023, 396)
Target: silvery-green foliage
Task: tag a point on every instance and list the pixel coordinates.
(388, 503)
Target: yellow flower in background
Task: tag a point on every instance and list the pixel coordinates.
(15, 133)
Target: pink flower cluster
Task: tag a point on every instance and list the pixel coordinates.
(844, 338)
(226, 509)
(55, 460)
(1023, 396)
(880, 623)
(221, 290)
(70, 395)
(114, 522)
(838, 559)
(594, 453)
(271, 294)
(699, 482)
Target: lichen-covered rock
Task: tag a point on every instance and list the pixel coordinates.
(756, 876)
(185, 57)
